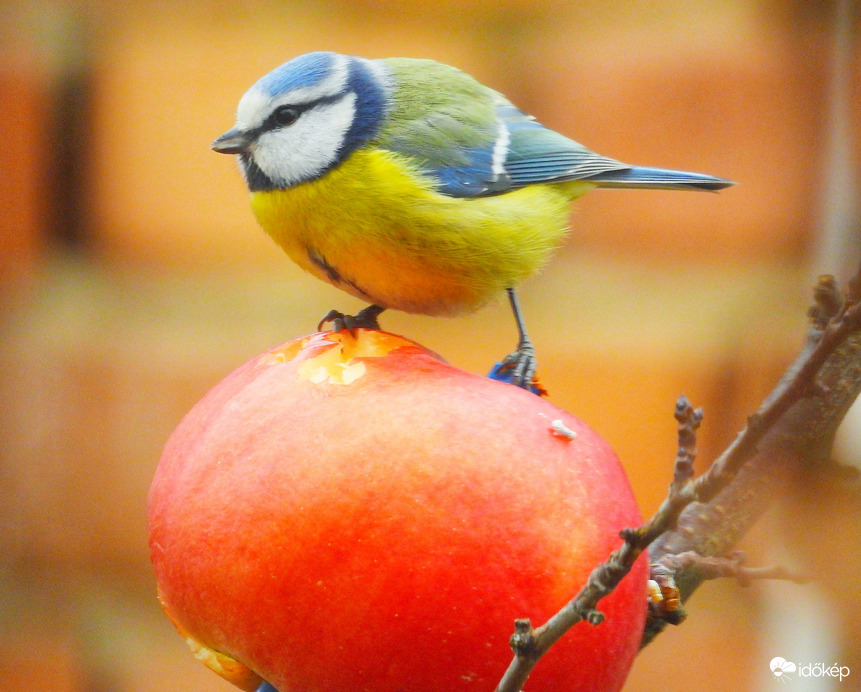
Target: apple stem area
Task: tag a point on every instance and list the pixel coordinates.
(692, 536)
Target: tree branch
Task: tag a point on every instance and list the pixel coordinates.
(691, 535)
(792, 431)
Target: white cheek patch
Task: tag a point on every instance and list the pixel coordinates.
(304, 150)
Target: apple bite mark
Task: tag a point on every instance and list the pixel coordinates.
(335, 357)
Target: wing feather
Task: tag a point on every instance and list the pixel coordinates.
(471, 141)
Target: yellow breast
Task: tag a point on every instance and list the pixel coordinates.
(376, 229)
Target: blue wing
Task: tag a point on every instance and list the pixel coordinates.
(523, 152)
(518, 151)
(457, 154)
(468, 156)
(474, 175)
(537, 154)
(513, 151)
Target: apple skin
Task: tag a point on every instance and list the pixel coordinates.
(348, 513)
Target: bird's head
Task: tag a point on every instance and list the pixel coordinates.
(305, 117)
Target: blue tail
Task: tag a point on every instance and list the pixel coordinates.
(658, 179)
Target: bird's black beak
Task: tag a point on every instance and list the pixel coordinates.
(234, 141)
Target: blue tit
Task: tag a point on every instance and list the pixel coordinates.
(412, 186)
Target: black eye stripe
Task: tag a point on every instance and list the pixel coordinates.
(287, 113)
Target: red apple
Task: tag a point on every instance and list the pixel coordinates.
(350, 513)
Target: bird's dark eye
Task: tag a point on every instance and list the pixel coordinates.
(285, 115)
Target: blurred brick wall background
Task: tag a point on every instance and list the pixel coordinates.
(133, 277)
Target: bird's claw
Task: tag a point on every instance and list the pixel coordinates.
(522, 364)
(364, 319)
(518, 368)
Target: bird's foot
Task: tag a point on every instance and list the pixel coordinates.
(518, 368)
(521, 364)
(364, 319)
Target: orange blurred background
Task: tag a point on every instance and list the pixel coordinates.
(133, 277)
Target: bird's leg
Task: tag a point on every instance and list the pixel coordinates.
(364, 319)
(521, 362)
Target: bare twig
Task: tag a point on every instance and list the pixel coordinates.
(731, 565)
(665, 600)
(689, 420)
